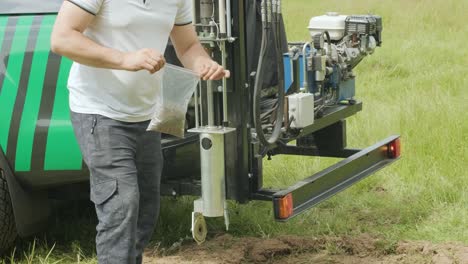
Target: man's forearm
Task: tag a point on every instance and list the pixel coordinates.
(194, 56)
(83, 50)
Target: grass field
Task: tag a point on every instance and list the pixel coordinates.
(415, 85)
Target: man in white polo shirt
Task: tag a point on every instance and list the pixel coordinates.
(117, 48)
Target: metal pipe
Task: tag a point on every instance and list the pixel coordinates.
(222, 17)
(304, 52)
(194, 12)
(229, 18)
(197, 124)
(202, 123)
(223, 63)
(209, 98)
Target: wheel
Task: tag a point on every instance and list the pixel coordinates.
(199, 229)
(7, 219)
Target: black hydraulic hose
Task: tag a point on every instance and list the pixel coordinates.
(280, 68)
(259, 78)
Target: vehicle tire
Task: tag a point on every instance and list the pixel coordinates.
(7, 219)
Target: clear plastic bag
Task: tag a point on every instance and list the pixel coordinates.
(178, 85)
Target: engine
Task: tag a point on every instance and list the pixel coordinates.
(338, 44)
(351, 38)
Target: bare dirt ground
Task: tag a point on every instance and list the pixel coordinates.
(298, 250)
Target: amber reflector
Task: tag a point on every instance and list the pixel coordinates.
(285, 206)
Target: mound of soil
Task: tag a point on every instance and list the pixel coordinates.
(293, 249)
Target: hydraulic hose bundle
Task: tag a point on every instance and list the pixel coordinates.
(271, 15)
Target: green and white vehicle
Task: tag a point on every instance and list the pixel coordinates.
(38, 148)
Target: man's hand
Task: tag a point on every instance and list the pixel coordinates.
(193, 56)
(210, 70)
(144, 59)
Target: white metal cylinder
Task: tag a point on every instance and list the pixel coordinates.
(229, 18)
(194, 13)
(222, 16)
(212, 174)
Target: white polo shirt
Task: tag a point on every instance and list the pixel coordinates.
(125, 25)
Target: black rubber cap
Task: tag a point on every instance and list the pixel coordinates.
(206, 143)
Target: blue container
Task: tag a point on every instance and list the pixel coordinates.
(347, 89)
(288, 70)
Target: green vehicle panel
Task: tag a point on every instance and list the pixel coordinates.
(35, 129)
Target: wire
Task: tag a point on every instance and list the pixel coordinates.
(214, 22)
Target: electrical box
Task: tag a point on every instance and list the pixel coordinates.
(301, 109)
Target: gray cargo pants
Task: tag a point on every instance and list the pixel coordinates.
(125, 162)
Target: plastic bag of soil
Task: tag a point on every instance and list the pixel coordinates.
(178, 86)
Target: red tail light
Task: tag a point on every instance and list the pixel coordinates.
(394, 149)
(285, 207)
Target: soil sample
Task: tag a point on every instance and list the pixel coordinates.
(169, 119)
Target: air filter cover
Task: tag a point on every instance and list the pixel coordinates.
(332, 22)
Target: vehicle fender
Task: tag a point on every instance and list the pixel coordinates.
(31, 208)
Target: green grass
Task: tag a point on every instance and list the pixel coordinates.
(415, 86)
